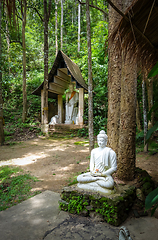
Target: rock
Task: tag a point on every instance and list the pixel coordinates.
(140, 195)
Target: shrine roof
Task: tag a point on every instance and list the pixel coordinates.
(63, 61)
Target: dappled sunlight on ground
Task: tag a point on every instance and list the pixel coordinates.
(29, 159)
(53, 162)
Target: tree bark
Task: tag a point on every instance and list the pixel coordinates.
(90, 81)
(121, 127)
(23, 13)
(45, 86)
(114, 83)
(61, 34)
(79, 25)
(127, 131)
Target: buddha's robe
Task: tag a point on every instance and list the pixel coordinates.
(71, 106)
(102, 165)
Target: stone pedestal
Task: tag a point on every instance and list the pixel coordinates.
(112, 209)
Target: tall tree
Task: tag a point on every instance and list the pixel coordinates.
(114, 82)
(23, 13)
(47, 10)
(127, 131)
(144, 111)
(56, 25)
(149, 85)
(122, 140)
(90, 80)
(79, 25)
(61, 34)
(1, 99)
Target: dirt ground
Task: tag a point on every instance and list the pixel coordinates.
(55, 162)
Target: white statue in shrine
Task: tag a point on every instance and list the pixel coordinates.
(102, 165)
(72, 98)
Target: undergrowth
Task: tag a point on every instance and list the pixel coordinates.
(15, 186)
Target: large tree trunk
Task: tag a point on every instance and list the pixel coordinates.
(23, 13)
(1, 100)
(127, 132)
(90, 81)
(121, 128)
(61, 34)
(114, 82)
(45, 86)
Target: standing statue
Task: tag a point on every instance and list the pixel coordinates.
(72, 98)
(102, 165)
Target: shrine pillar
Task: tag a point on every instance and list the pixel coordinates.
(60, 108)
(81, 106)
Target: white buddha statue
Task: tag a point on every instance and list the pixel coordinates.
(72, 98)
(102, 165)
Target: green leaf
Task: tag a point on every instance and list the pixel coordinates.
(154, 71)
(151, 130)
(153, 210)
(151, 199)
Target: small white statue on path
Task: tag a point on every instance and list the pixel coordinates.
(54, 120)
(72, 98)
(102, 165)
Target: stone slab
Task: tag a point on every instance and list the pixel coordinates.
(30, 219)
(39, 218)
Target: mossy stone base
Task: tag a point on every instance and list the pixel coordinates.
(113, 209)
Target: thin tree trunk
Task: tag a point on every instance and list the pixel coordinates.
(45, 86)
(61, 34)
(8, 40)
(90, 81)
(138, 118)
(149, 84)
(114, 83)
(127, 131)
(79, 25)
(23, 12)
(1, 100)
(144, 114)
(56, 26)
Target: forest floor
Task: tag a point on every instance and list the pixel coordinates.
(56, 161)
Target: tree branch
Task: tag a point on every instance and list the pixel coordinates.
(40, 16)
(127, 20)
(101, 10)
(16, 41)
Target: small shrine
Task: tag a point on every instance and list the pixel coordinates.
(65, 74)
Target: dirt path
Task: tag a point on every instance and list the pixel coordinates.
(57, 161)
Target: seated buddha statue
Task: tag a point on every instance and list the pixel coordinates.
(102, 165)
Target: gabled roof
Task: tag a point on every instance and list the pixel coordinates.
(137, 31)
(63, 61)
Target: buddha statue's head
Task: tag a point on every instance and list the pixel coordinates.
(71, 87)
(102, 139)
